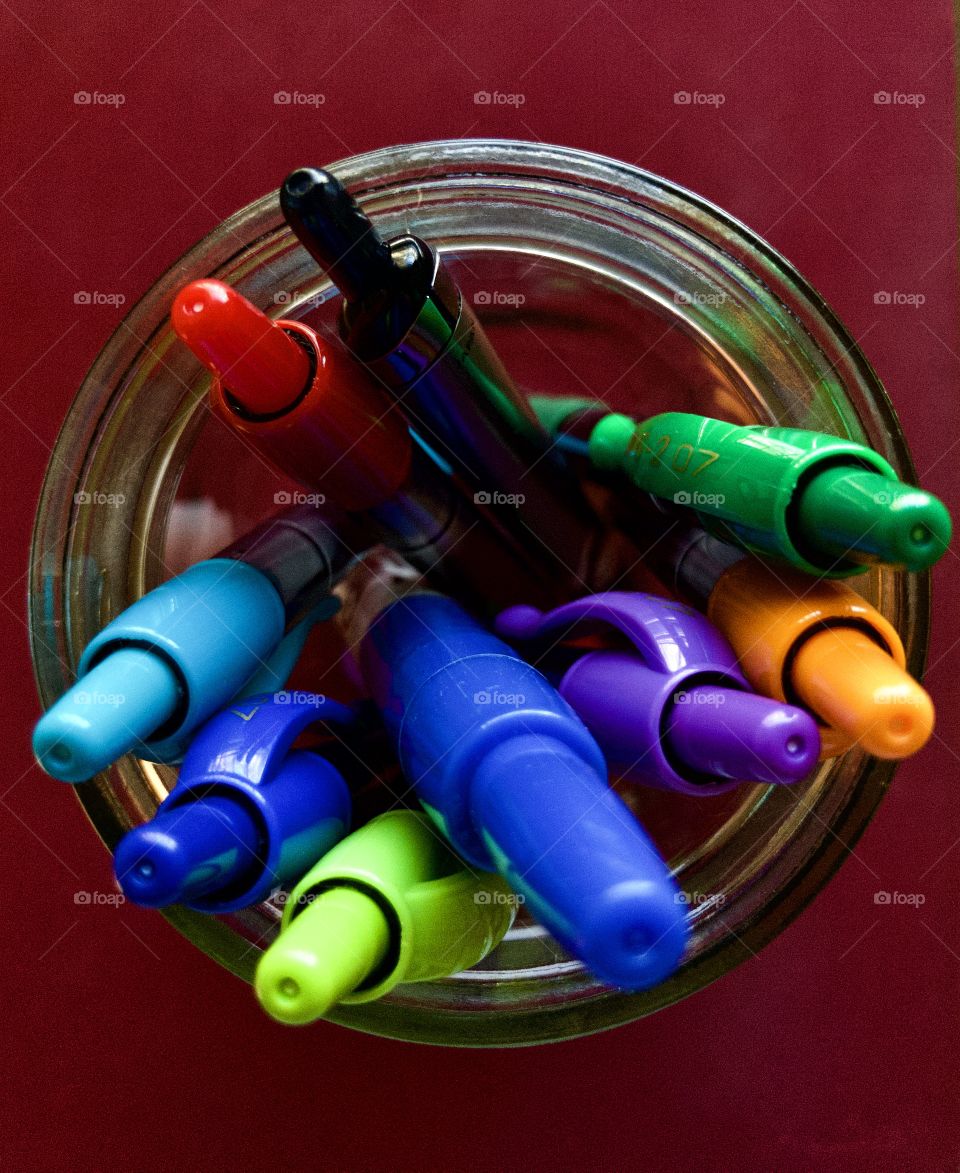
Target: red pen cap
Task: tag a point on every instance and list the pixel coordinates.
(305, 405)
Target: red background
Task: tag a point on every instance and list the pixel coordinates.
(126, 1048)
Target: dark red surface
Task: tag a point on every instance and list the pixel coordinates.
(124, 1048)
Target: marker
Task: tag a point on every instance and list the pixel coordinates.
(404, 317)
(813, 643)
(511, 775)
(180, 653)
(676, 711)
(309, 409)
(247, 814)
(825, 505)
(320, 418)
(390, 903)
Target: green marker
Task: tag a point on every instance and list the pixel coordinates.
(390, 903)
(827, 506)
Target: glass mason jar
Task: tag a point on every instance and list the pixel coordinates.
(592, 277)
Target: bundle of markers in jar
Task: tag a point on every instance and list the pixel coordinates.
(508, 702)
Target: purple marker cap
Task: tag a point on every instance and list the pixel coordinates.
(679, 714)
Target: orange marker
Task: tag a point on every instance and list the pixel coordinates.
(815, 643)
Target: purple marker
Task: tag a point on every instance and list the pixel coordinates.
(675, 711)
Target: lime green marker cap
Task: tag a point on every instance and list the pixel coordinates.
(390, 903)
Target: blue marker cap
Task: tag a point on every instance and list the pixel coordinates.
(510, 773)
(676, 712)
(117, 704)
(246, 816)
(161, 668)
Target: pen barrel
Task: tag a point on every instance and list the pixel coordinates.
(342, 437)
(303, 553)
(436, 523)
(465, 405)
(691, 562)
(743, 482)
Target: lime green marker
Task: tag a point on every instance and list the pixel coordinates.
(826, 505)
(390, 903)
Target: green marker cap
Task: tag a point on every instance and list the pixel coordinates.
(390, 903)
(854, 514)
(826, 505)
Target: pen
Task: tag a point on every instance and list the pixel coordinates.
(813, 643)
(318, 417)
(404, 317)
(247, 815)
(816, 643)
(517, 784)
(390, 903)
(675, 709)
(825, 505)
(180, 653)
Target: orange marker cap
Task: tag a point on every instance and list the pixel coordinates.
(851, 683)
(767, 617)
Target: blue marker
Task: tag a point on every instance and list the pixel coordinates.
(512, 776)
(184, 650)
(246, 816)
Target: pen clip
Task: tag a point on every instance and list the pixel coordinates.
(669, 636)
(275, 670)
